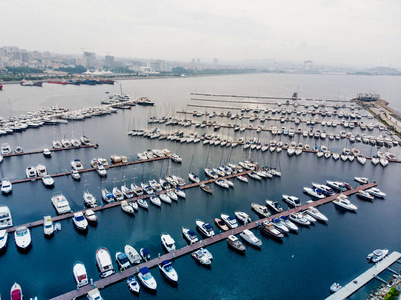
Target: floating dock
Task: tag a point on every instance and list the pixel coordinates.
(365, 277)
(102, 283)
(52, 150)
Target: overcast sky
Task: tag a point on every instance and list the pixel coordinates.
(343, 32)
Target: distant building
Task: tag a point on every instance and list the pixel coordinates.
(159, 66)
(90, 59)
(193, 61)
(368, 97)
(215, 61)
(198, 61)
(109, 61)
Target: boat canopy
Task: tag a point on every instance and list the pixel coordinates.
(191, 232)
(144, 270)
(145, 251)
(166, 263)
(231, 218)
(208, 226)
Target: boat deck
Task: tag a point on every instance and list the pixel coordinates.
(365, 277)
(102, 283)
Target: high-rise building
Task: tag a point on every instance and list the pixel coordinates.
(109, 61)
(198, 61)
(90, 59)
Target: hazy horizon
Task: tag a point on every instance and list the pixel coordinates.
(356, 33)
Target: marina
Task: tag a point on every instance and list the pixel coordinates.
(320, 246)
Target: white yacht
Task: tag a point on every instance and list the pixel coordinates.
(205, 228)
(127, 208)
(41, 170)
(376, 192)
(168, 271)
(336, 185)
(118, 195)
(362, 180)
(172, 195)
(314, 193)
(5, 149)
(6, 186)
(243, 217)
(5, 217)
(155, 200)
(133, 285)
(201, 257)
(189, 235)
(60, 203)
(180, 193)
(122, 261)
(22, 237)
(288, 223)
(146, 278)
(193, 177)
(77, 165)
(274, 205)
(132, 254)
(377, 255)
(3, 238)
(75, 175)
(94, 295)
(89, 199)
(165, 198)
(80, 275)
(292, 200)
(168, 242)
(48, 228)
(314, 212)
(90, 216)
(128, 193)
(47, 152)
(365, 195)
(298, 218)
(104, 263)
(143, 203)
(280, 225)
(30, 172)
(48, 180)
(230, 221)
(107, 196)
(343, 201)
(101, 170)
(80, 221)
(222, 183)
(250, 238)
(261, 210)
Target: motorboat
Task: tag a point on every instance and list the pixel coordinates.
(292, 200)
(222, 183)
(145, 254)
(89, 199)
(48, 228)
(335, 287)
(243, 217)
(3, 239)
(104, 263)
(269, 229)
(75, 175)
(230, 221)
(48, 180)
(299, 219)
(16, 292)
(279, 224)
(324, 189)
(261, 210)
(288, 223)
(249, 237)
(365, 195)
(377, 255)
(274, 205)
(221, 224)
(155, 200)
(315, 213)
(235, 244)
(189, 235)
(5, 217)
(100, 169)
(80, 275)
(205, 228)
(308, 217)
(80, 221)
(22, 236)
(47, 152)
(77, 165)
(118, 195)
(41, 170)
(133, 255)
(343, 201)
(143, 203)
(337, 185)
(361, 180)
(107, 196)
(122, 261)
(30, 172)
(133, 285)
(127, 208)
(180, 193)
(128, 193)
(60, 203)
(206, 188)
(201, 258)
(376, 192)
(5, 149)
(194, 178)
(94, 295)
(167, 242)
(6, 186)
(146, 278)
(314, 193)
(168, 271)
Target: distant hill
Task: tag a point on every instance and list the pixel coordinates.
(383, 71)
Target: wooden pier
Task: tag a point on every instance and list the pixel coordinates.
(365, 277)
(117, 277)
(52, 150)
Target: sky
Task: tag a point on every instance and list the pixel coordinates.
(335, 32)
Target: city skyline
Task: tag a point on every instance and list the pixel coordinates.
(363, 33)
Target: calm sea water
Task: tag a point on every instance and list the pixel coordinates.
(303, 266)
